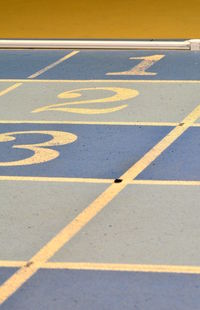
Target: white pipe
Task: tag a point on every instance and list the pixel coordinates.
(96, 44)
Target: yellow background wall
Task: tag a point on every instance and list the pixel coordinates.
(100, 19)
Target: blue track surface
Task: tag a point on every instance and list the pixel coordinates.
(99, 152)
(78, 290)
(92, 65)
(179, 162)
(104, 150)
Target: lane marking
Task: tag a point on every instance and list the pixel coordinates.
(70, 230)
(7, 263)
(25, 272)
(161, 146)
(55, 179)
(123, 267)
(102, 81)
(36, 74)
(97, 181)
(165, 182)
(20, 82)
(9, 89)
(168, 124)
(179, 269)
(92, 123)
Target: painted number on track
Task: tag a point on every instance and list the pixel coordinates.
(120, 94)
(41, 151)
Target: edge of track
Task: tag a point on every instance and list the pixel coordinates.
(193, 44)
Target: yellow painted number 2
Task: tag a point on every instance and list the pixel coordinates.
(119, 95)
(41, 151)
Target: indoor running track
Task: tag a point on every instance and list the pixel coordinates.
(99, 180)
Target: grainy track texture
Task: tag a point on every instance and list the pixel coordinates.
(99, 180)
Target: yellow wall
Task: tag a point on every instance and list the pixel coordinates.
(99, 19)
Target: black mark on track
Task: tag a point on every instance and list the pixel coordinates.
(118, 180)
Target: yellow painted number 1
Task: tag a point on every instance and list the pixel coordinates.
(140, 69)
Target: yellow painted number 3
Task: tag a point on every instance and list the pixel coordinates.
(41, 151)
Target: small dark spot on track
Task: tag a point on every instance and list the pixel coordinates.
(118, 180)
(28, 264)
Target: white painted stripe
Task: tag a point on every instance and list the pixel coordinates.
(36, 74)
